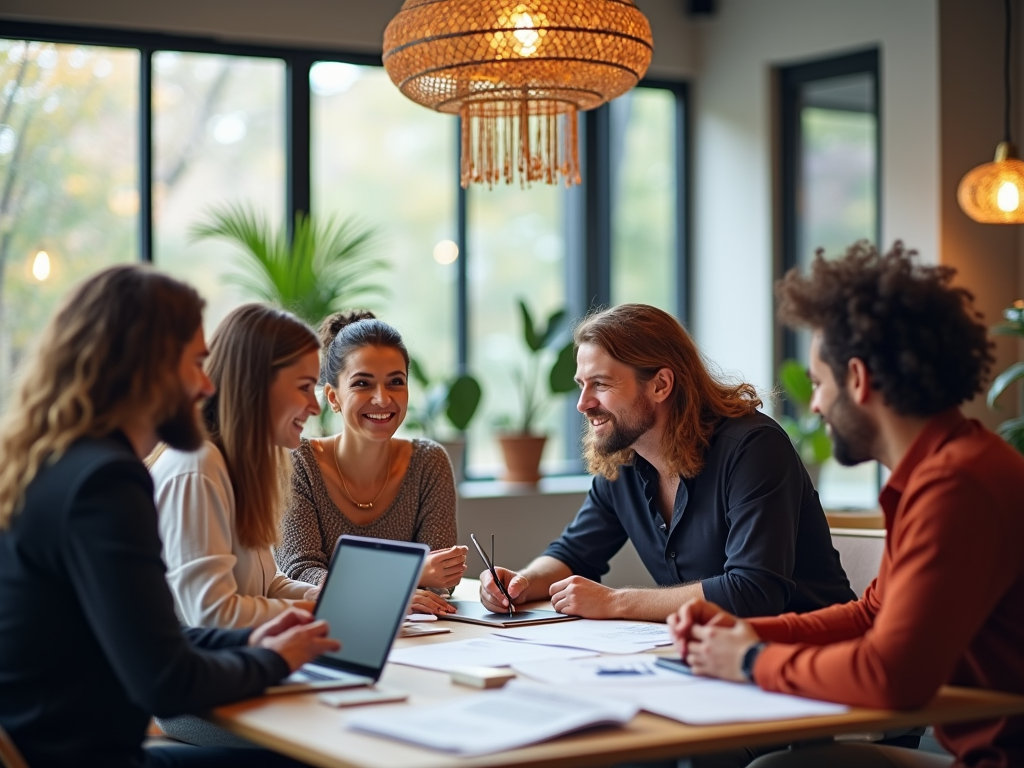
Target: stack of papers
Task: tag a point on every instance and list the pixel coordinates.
(518, 715)
(703, 701)
(686, 698)
(479, 652)
(592, 635)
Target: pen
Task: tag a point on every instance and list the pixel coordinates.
(494, 574)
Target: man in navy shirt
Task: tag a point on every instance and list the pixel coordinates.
(711, 492)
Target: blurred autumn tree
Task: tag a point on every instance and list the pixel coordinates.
(68, 177)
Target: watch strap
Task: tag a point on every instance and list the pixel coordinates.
(750, 659)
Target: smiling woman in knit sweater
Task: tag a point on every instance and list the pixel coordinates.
(220, 507)
(365, 481)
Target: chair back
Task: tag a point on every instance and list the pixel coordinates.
(860, 552)
(10, 757)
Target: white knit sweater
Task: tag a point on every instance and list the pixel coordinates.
(216, 581)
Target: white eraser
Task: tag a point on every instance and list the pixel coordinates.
(482, 677)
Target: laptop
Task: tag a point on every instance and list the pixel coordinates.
(364, 600)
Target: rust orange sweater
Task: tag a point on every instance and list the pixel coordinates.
(947, 605)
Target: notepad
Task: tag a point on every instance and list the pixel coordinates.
(473, 612)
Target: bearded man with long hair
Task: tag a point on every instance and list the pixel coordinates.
(90, 647)
(710, 492)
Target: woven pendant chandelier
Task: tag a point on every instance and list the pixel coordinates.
(517, 74)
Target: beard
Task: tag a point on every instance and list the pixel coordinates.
(623, 431)
(853, 435)
(181, 429)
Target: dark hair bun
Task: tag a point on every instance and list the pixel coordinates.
(332, 324)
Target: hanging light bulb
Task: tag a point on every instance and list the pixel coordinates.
(992, 193)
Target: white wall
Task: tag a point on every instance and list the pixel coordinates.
(733, 150)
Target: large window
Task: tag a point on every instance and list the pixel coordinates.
(114, 145)
(390, 164)
(218, 138)
(830, 179)
(68, 177)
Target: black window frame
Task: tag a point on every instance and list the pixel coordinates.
(791, 79)
(588, 271)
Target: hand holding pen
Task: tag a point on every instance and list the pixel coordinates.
(499, 587)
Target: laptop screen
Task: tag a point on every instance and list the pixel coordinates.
(365, 597)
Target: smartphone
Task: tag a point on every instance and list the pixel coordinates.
(676, 665)
(354, 697)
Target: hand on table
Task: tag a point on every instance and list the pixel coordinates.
(294, 636)
(490, 595)
(577, 596)
(425, 601)
(444, 568)
(712, 641)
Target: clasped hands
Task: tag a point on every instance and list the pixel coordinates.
(711, 640)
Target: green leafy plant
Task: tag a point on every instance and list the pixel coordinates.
(323, 267)
(550, 342)
(457, 398)
(806, 429)
(1011, 430)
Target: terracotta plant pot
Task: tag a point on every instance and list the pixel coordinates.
(522, 457)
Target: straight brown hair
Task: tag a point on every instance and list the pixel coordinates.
(648, 339)
(247, 350)
(109, 352)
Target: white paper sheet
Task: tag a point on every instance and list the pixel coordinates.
(702, 701)
(608, 636)
(478, 652)
(493, 721)
(607, 671)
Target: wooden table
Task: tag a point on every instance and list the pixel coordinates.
(299, 726)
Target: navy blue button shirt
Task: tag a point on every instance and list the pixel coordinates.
(749, 527)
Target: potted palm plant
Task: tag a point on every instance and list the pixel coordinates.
(457, 399)
(322, 267)
(1011, 430)
(551, 357)
(805, 428)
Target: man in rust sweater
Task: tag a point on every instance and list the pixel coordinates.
(895, 350)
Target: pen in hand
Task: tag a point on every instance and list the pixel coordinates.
(489, 562)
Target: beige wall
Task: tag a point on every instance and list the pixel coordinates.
(353, 25)
(987, 257)
(733, 216)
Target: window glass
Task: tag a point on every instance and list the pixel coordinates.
(516, 250)
(837, 204)
(643, 162)
(390, 163)
(218, 139)
(68, 177)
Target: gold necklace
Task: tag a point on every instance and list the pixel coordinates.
(369, 504)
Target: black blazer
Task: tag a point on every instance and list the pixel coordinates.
(90, 646)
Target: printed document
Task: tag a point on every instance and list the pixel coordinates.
(610, 636)
(478, 652)
(607, 671)
(515, 716)
(703, 701)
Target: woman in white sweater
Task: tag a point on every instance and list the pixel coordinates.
(220, 507)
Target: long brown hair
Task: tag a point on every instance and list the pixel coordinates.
(649, 339)
(111, 349)
(247, 350)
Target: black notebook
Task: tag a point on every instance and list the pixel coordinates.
(474, 612)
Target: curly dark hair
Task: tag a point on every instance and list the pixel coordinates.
(919, 336)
